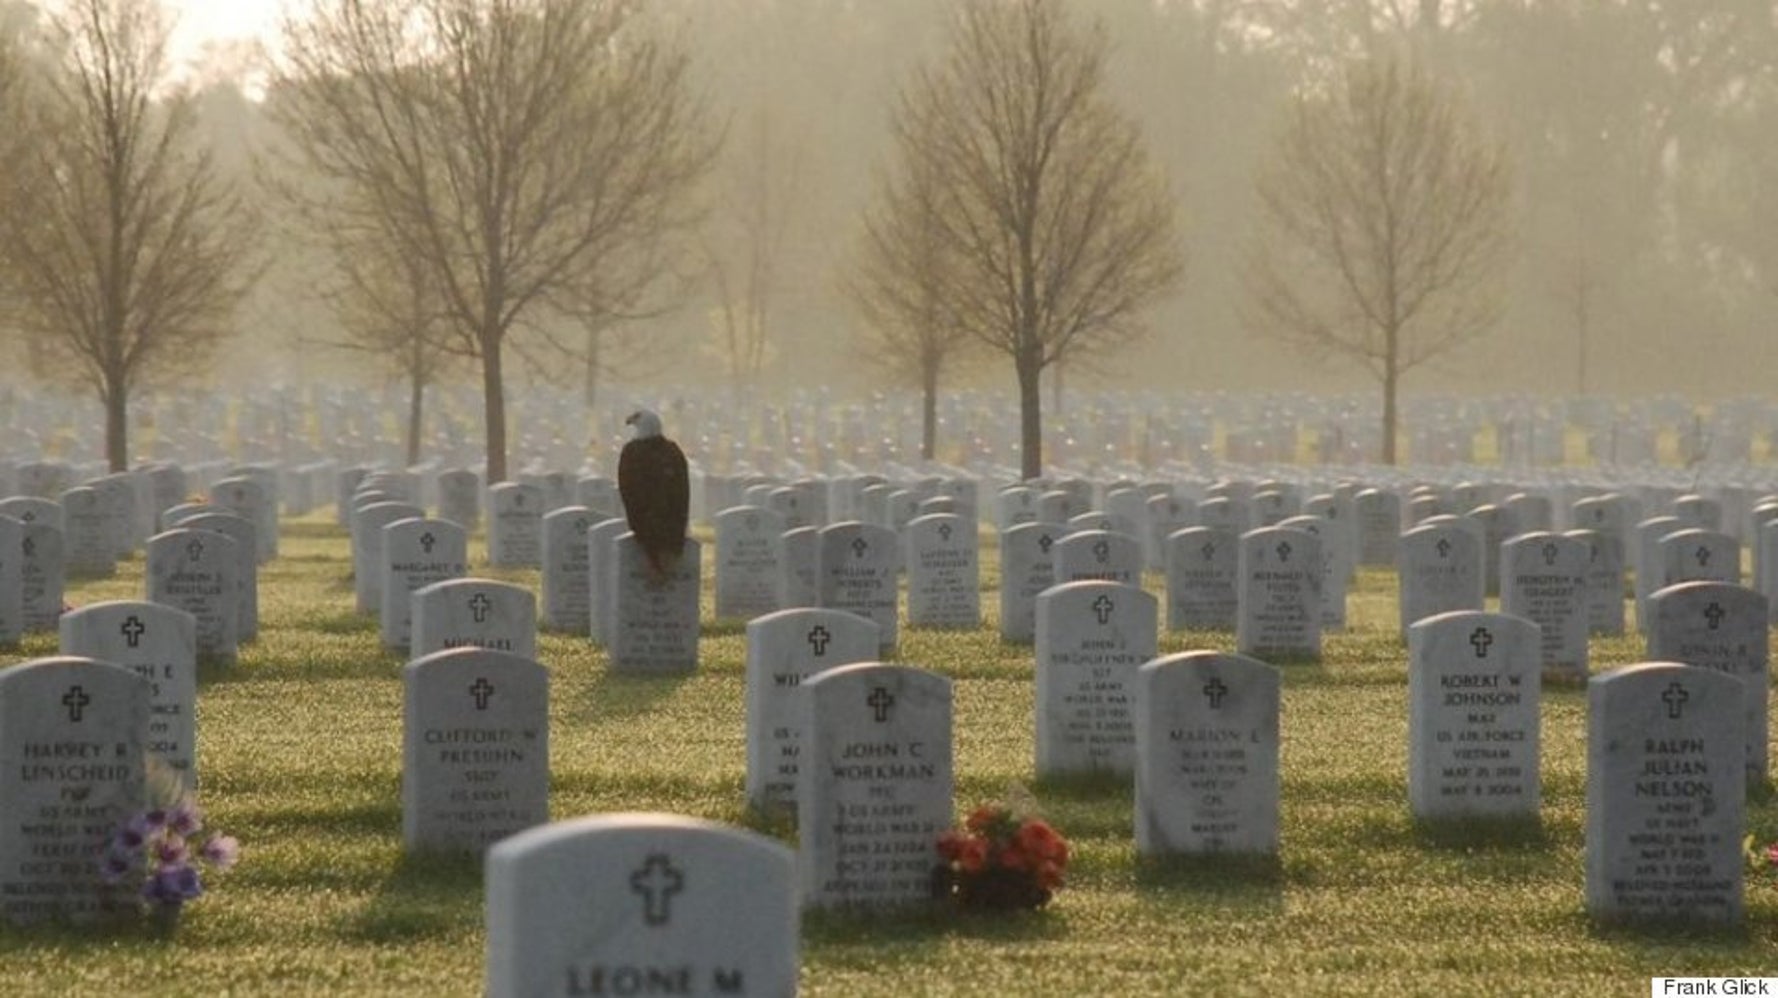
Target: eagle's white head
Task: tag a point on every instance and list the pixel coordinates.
(646, 422)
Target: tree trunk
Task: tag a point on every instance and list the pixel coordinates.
(1030, 371)
(590, 389)
(494, 409)
(929, 411)
(416, 396)
(117, 426)
(1391, 378)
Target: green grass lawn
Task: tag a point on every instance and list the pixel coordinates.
(300, 755)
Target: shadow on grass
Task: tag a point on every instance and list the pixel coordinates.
(426, 895)
(927, 922)
(1668, 933)
(1249, 882)
(612, 696)
(1483, 833)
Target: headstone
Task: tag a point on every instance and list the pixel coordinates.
(416, 553)
(635, 904)
(1440, 571)
(41, 576)
(1091, 639)
(799, 567)
(944, 580)
(158, 643)
(784, 649)
(1650, 569)
(87, 551)
(198, 571)
(240, 530)
(1027, 568)
(566, 595)
(31, 509)
(367, 549)
(475, 749)
(515, 525)
(253, 500)
(875, 786)
(1201, 566)
(1474, 690)
(1206, 755)
(1335, 569)
(599, 494)
(1279, 574)
(1604, 582)
(601, 554)
(1697, 555)
(654, 625)
(1098, 556)
(1666, 799)
(747, 565)
(12, 582)
(857, 573)
(1379, 527)
(72, 732)
(460, 497)
(1723, 628)
(474, 613)
(1543, 580)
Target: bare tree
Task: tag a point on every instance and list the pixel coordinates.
(511, 147)
(1385, 225)
(130, 253)
(745, 246)
(1060, 227)
(388, 308)
(897, 282)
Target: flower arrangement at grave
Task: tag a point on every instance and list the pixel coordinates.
(1000, 859)
(158, 853)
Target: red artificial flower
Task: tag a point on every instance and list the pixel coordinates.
(972, 855)
(981, 818)
(950, 844)
(1049, 875)
(1040, 840)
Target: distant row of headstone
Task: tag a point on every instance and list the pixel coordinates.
(862, 749)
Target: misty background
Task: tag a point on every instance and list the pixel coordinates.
(1643, 141)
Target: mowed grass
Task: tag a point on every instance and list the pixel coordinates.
(300, 751)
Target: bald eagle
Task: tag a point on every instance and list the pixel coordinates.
(656, 491)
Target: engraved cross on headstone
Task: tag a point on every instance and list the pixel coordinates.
(1045, 542)
(76, 700)
(1283, 550)
(1102, 551)
(944, 532)
(1102, 608)
(1208, 550)
(30, 547)
(481, 689)
(818, 639)
(1714, 614)
(195, 549)
(859, 547)
(478, 607)
(880, 701)
(1703, 556)
(1549, 553)
(656, 882)
(1676, 696)
(427, 541)
(1444, 547)
(132, 630)
(1480, 639)
(1215, 690)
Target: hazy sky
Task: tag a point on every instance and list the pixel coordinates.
(205, 20)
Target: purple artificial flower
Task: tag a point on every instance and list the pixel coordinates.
(170, 851)
(154, 820)
(185, 818)
(117, 866)
(221, 851)
(134, 832)
(173, 885)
